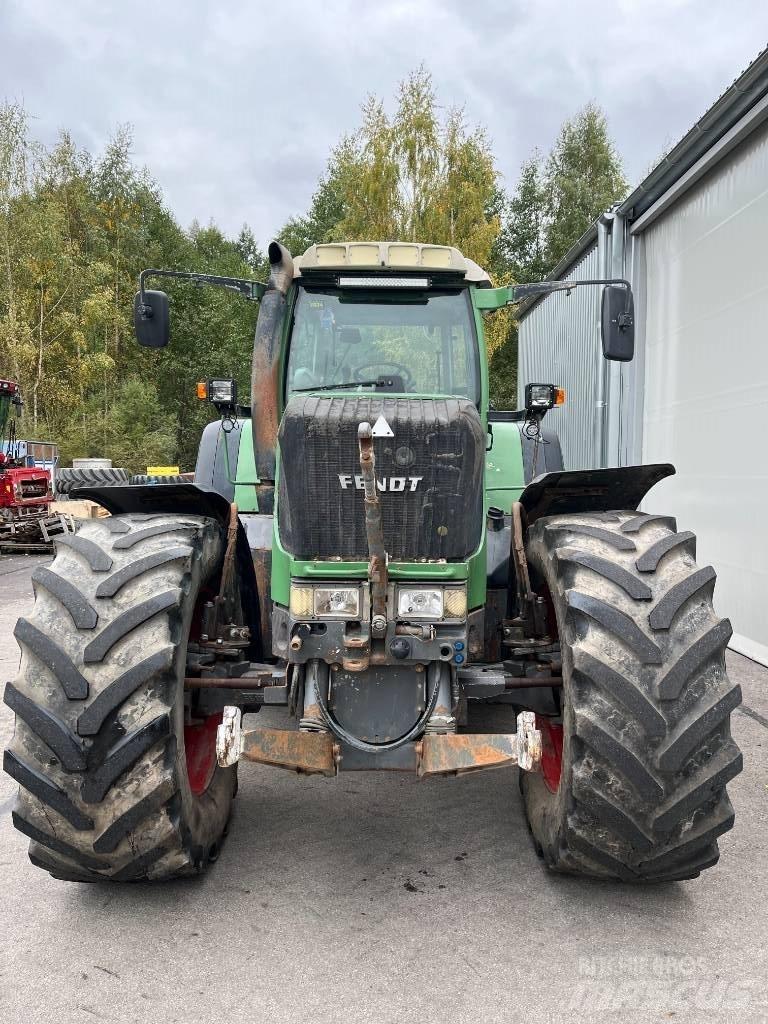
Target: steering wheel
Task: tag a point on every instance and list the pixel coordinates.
(401, 371)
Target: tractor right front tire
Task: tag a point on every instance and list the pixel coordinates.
(634, 771)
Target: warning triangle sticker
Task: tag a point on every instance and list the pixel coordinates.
(381, 428)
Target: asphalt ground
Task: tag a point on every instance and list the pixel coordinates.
(376, 897)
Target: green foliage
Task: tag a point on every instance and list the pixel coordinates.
(415, 176)
(556, 199)
(75, 231)
(137, 429)
(502, 373)
(522, 242)
(412, 175)
(584, 177)
(554, 202)
(327, 210)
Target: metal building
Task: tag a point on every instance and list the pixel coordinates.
(693, 240)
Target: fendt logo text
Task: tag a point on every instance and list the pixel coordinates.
(387, 483)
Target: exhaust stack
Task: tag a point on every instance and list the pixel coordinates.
(264, 382)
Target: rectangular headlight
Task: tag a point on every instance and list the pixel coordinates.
(420, 603)
(337, 602)
(448, 603)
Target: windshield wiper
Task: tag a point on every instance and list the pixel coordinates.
(343, 384)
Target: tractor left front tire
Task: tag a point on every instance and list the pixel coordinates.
(118, 780)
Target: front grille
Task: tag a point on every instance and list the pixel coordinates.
(33, 488)
(430, 476)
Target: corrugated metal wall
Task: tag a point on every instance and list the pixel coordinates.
(706, 378)
(560, 344)
(696, 393)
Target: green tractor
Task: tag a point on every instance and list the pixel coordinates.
(374, 549)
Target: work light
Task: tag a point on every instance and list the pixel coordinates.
(541, 397)
(222, 392)
(383, 282)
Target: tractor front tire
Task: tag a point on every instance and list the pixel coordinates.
(633, 775)
(118, 782)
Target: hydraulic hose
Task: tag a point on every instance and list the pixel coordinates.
(377, 748)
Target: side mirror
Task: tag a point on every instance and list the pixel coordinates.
(617, 323)
(151, 319)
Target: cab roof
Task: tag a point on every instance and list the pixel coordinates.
(406, 256)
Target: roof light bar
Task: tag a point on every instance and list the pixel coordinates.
(383, 282)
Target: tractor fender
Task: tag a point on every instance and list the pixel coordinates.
(152, 499)
(591, 490)
(181, 499)
(217, 459)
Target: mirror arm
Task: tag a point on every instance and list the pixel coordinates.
(251, 290)
(526, 291)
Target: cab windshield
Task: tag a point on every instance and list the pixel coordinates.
(394, 342)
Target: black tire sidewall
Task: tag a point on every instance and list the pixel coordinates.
(547, 812)
(203, 818)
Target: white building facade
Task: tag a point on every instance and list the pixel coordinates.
(693, 241)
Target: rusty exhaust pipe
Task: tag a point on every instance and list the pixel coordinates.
(280, 268)
(264, 382)
(377, 567)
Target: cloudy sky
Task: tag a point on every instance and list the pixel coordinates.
(235, 105)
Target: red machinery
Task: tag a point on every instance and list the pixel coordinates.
(26, 492)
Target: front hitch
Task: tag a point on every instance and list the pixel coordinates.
(315, 753)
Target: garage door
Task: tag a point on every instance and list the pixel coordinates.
(706, 397)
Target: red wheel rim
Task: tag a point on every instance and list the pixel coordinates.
(200, 748)
(551, 752)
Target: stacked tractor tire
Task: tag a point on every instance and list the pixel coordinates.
(69, 479)
(139, 479)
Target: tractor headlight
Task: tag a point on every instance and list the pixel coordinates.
(325, 602)
(431, 603)
(337, 602)
(421, 603)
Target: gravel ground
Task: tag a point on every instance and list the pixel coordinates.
(377, 897)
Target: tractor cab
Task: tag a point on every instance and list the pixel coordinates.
(406, 329)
